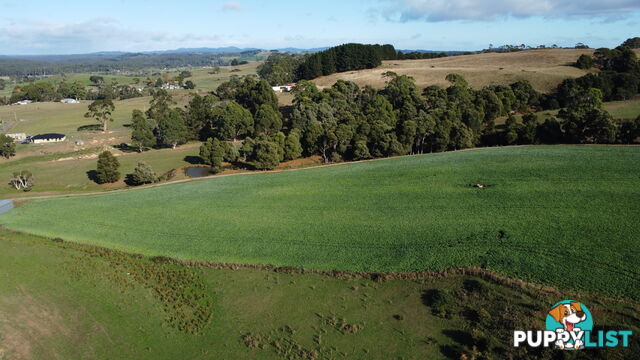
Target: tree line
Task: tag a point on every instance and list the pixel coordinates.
(101, 89)
(285, 68)
(618, 78)
(242, 122)
(49, 91)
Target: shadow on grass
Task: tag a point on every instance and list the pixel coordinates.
(93, 176)
(459, 336)
(92, 127)
(452, 351)
(126, 148)
(193, 160)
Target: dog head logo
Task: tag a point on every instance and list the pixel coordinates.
(568, 317)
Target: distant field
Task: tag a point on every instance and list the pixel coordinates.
(543, 68)
(47, 117)
(68, 172)
(629, 109)
(209, 82)
(83, 78)
(36, 118)
(201, 77)
(549, 214)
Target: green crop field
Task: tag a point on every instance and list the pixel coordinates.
(559, 215)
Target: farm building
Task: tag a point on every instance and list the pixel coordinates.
(283, 88)
(70, 101)
(48, 138)
(169, 86)
(18, 136)
(22, 102)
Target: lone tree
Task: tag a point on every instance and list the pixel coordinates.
(22, 180)
(107, 171)
(142, 135)
(189, 85)
(7, 147)
(143, 174)
(101, 111)
(98, 80)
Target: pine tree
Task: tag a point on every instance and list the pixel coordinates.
(107, 170)
(142, 135)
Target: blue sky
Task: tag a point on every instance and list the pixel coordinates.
(50, 27)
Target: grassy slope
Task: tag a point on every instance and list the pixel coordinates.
(69, 172)
(550, 212)
(629, 109)
(543, 68)
(69, 302)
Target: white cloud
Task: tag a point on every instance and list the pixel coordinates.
(231, 6)
(100, 34)
(486, 10)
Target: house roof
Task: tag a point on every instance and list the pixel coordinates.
(48, 136)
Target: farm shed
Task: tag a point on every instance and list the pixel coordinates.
(283, 88)
(18, 136)
(70, 101)
(47, 138)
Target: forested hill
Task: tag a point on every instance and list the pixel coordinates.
(106, 62)
(344, 58)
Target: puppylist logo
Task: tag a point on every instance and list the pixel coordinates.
(569, 326)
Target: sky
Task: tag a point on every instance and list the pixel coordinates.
(53, 27)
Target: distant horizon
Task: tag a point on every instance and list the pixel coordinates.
(318, 48)
(47, 28)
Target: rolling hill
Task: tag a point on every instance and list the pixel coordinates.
(544, 68)
(545, 215)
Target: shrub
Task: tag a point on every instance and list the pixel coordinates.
(168, 175)
(143, 174)
(584, 62)
(441, 302)
(474, 286)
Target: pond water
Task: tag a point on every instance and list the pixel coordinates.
(198, 171)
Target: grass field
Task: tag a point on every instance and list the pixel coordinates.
(629, 109)
(68, 119)
(209, 82)
(201, 77)
(82, 78)
(63, 301)
(559, 215)
(56, 173)
(545, 69)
